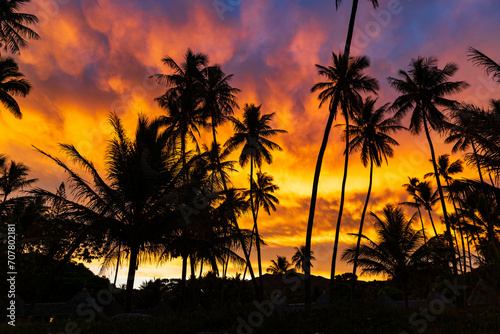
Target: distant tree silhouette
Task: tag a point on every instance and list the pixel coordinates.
(299, 257)
(279, 266)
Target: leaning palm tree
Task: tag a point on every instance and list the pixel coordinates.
(412, 189)
(298, 259)
(424, 88)
(14, 177)
(252, 133)
(425, 197)
(371, 136)
(12, 83)
(333, 112)
(346, 88)
(14, 28)
(490, 66)
(279, 266)
(396, 252)
(135, 199)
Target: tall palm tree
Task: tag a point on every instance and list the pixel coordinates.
(396, 252)
(347, 89)
(133, 202)
(298, 259)
(279, 266)
(424, 88)
(252, 133)
(371, 136)
(490, 66)
(14, 177)
(12, 83)
(332, 115)
(14, 28)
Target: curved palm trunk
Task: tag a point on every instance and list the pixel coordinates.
(440, 190)
(459, 230)
(319, 162)
(422, 223)
(341, 209)
(432, 222)
(457, 250)
(358, 244)
(134, 251)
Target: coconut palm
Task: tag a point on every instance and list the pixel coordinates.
(395, 253)
(345, 89)
(12, 83)
(490, 66)
(371, 136)
(133, 202)
(279, 266)
(424, 88)
(253, 133)
(14, 28)
(14, 177)
(298, 259)
(463, 131)
(332, 115)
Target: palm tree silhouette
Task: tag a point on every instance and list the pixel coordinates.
(424, 88)
(490, 66)
(135, 199)
(14, 28)
(344, 83)
(371, 137)
(463, 131)
(279, 266)
(252, 133)
(333, 112)
(13, 177)
(298, 259)
(424, 197)
(12, 83)
(397, 250)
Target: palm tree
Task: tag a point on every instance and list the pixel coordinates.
(425, 197)
(133, 202)
(280, 266)
(490, 66)
(14, 28)
(347, 89)
(424, 88)
(298, 259)
(463, 131)
(332, 115)
(183, 98)
(252, 133)
(412, 189)
(371, 137)
(12, 83)
(14, 177)
(396, 252)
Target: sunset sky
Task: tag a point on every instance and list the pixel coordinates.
(96, 56)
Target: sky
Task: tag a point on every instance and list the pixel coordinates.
(96, 56)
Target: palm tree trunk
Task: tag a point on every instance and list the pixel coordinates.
(358, 244)
(405, 297)
(134, 251)
(201, 269)
(457, 250)
(257, 237)
(459, 229)
(341, 209)
(319, 162)
(117, 265)
(468, 251)
(440, 190)
(183, 283)
(432, 222)
(477, 162)
(422, 223)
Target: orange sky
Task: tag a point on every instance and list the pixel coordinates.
(96, 56)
